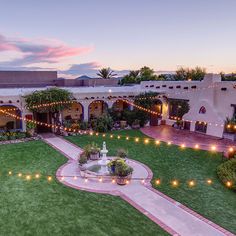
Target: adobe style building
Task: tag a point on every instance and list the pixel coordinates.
(211, 100)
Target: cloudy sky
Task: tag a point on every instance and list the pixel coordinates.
(78, 37)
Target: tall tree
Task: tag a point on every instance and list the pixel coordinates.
(146, 74)
(35, 100)
(106, 73)
(131, 78)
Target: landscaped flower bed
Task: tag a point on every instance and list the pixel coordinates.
(15, 137)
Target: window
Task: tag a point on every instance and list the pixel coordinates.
(202, 110)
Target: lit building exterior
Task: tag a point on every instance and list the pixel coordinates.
(211, 101)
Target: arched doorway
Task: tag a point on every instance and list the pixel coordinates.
(97, 108)
(154, 118)
(120, 105)
(75, 113)
(7, 122)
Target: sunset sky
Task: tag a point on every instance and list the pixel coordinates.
(80, 36)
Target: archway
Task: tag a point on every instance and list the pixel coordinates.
(120, 105)
(7, 122)
(75, 113)
(97, 108)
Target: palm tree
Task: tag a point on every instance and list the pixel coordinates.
(106, 73)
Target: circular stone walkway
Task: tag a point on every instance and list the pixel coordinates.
(171, 215)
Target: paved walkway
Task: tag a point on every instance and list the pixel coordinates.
(190, 139)
(166, 212)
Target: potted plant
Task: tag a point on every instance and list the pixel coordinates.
(112, 165)
(123, 172)
(122, 153)
(82, 161)
(30, 127)
(92, 151)
(123, 124)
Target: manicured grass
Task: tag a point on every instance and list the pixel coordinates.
(37, 207)
(214, 201)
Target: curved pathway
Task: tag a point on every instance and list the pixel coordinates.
(172, 216)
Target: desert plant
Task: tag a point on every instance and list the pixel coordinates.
(106, 73)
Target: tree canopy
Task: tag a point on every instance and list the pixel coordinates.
(51, 95)
(196, 73)
(106, 73)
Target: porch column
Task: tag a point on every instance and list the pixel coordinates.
(85, 110)
(192, 126)
(165, 111)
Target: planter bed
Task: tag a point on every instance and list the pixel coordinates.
(19, 140)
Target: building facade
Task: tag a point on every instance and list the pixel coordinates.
(210, 101)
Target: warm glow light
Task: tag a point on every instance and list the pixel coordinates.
(127, 138)
(146, 141)
(196, 146)
(157, 142)
(169, 143)
(75, 178)
(19, 175)
(158, 181)
(127, 181)
(213, 148)
(100, 179)
(231, 149)
(137, 139)
(62, 178)
(183, 145)
(209, 181)
(9, 172)
(103, 135)
(96, 134)
(49, 178)
(37, 176)
(175, 183)
(191, 183)
(143, 181)
(86, 180)
(118, 136)
(113, 181)
(28, 177)
(111, 136)
(91, 133)
(228, 183)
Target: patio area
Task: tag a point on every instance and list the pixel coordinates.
(189, 139)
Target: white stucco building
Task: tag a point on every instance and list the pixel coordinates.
(211, 101)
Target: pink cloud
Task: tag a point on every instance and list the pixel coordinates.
(44, 50)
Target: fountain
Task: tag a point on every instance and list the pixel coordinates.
(104, 160)
(100, 167)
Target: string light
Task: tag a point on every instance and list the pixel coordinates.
(19, 174)
(49, 178)
(191, 183)
(209, 181)
(136, 140)
(9, 172)
(75, 178)
(118, 137)
(86, 180)
(213, 148)
(183, 145)
(113, 181)
(157, 142)
(142, 181)
(196, 146)
(175, 183)
(158, 181)
(37, 176)
(127, 138)
(100, 179)
(229, 184)
(28, 177)
(169, 143)
(146, 141)
(231, 149)
(127, 181)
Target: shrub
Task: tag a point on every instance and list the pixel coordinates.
(102, 124)
(227, 172)
(83, 125)
(83, 159)
(30, 125)
(122, 169)
(92, 148)
(122, 153)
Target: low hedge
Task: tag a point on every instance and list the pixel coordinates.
(227, 172)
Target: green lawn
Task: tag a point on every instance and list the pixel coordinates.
(39, 208)
(215, 201)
